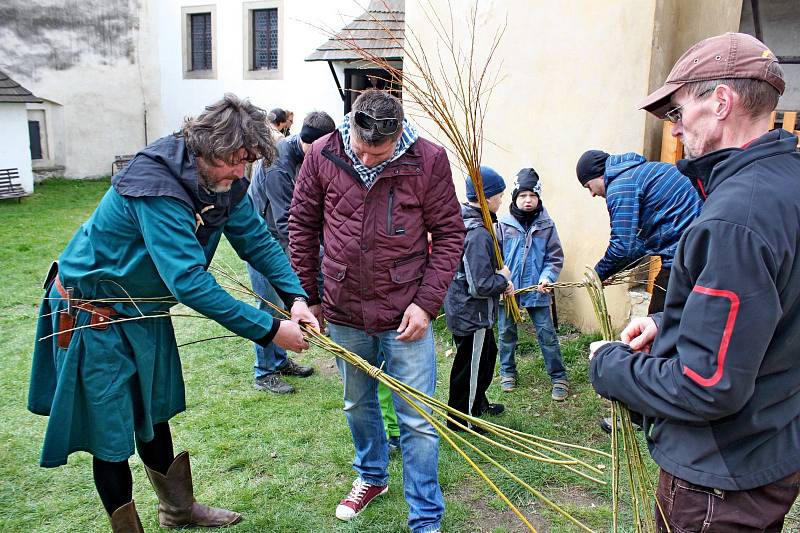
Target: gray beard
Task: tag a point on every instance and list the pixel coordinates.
(204, 182)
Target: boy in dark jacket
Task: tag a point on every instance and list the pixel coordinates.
(471, 305)
(532, 250)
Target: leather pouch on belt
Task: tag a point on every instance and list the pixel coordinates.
(65, 324)
(101, 317)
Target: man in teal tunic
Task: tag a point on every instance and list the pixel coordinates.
(108, 383)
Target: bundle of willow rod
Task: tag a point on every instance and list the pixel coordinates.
(623, 435)
(456, 102)
(522, 444)
(635, 274)
(141, 316)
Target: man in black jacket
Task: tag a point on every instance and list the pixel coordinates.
(720, 388)
(271, 190)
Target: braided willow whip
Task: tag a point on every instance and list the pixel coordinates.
(522, 444)
(632, 274)
(623, 435)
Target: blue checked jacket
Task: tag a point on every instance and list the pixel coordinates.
(650, 204)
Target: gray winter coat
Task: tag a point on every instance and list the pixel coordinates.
(471, 301)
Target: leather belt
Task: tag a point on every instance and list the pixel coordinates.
(100, 316)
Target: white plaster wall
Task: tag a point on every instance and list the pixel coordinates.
(87, 56)
(15, 148)
(305, 87)
(572, 73)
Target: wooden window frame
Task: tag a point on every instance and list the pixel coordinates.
(248, 41)
(186, 37)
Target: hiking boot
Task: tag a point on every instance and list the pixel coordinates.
(358, 498)
(508, 383)
(293, 369)
(493, 409)
(560, 390)
(394, 446)
(273, 383)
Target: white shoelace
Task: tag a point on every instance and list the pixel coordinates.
(359, 490)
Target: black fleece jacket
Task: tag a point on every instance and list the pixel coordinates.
(721, 390)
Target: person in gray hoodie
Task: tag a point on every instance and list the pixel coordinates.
(471, 305)
(272, 189)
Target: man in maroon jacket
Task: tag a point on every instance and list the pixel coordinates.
(374, 191)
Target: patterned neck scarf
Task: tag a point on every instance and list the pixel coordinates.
(368, 174)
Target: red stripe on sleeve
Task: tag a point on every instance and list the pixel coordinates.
(726, 337)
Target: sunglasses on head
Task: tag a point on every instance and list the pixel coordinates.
(384, 126)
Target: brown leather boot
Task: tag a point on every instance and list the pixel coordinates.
(126, 520)
(176, 504)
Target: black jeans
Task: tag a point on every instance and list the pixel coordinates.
(691, 508)
(468, 351)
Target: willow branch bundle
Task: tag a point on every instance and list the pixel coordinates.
(623, 435)
(452, 91)
(525, 445)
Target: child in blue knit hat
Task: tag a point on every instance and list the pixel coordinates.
(471, 305)
(532, 250)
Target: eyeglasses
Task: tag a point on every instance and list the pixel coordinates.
(384, 126)
(675, 114)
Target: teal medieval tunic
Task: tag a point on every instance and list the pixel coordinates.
(143, 242)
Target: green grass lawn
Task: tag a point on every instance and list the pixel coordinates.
(282, 461)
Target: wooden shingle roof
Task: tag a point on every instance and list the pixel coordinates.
(379, 29)
(13, 92)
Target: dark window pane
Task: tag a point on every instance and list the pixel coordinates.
(36, 139)
(201, 41)
(265, 39)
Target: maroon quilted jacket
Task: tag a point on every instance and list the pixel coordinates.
(376, 258)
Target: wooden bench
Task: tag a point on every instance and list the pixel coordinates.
(120, 162)
(10, 187)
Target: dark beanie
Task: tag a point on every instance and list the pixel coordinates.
(492, 184)
(591, 165)
(527, 180)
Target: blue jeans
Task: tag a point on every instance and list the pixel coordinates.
(414, 363)
(271, 357)
(545, 333)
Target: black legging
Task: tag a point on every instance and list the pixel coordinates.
(114, 481)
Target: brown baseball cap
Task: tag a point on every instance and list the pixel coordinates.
(730, 55)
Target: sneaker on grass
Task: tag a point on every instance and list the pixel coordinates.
(493, 409)
(358, 498)
(508, 383)
(560, 390)
(394, 446)
(273, 383)
(291, 368)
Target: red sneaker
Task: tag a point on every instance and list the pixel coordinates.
(358, 498)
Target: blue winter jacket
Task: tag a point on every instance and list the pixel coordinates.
(532, 256)
(650, 205)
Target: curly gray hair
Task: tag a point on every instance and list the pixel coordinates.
(227, 126)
